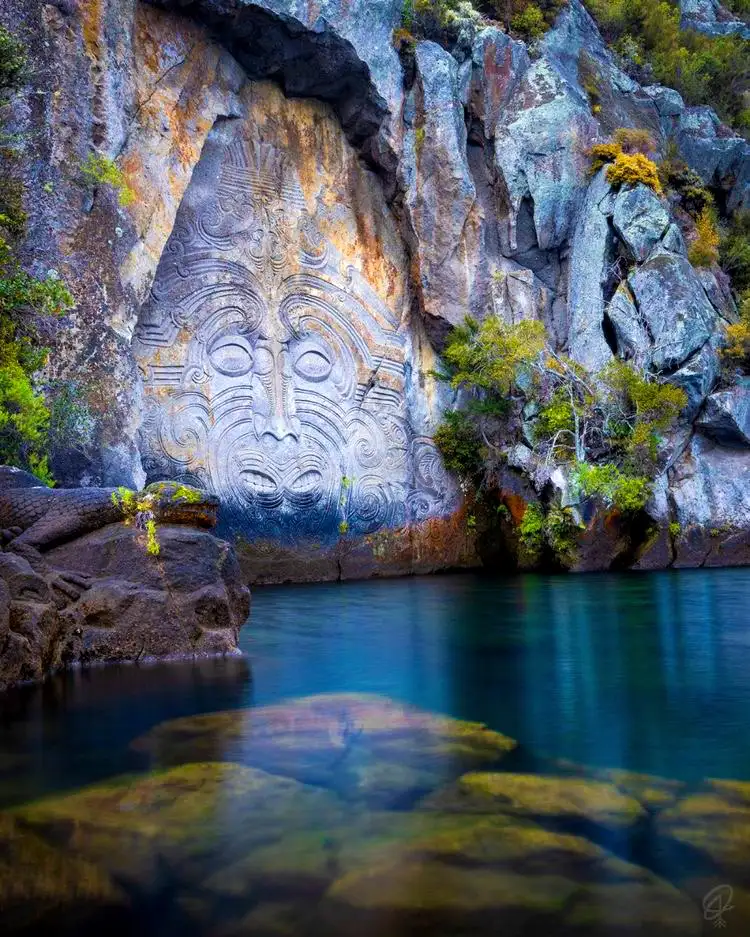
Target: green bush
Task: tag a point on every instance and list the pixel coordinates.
(100, 170)
(531, 531)
(13, 62)
(25, 302)
(734, 251)
(459, 444)
(529, 23)
(633, 169)
(626, 493)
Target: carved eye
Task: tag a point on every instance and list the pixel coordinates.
(306, 482)
(231, 355)
(313, 366)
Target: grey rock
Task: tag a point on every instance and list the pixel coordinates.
(633, 340)
(640, 219)
(712, 18)
(711, 486)
(590, 257)
(726, 417)
(673, 241)
(442, 197)
(674, 307)
(697, 377)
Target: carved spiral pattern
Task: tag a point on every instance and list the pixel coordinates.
(269, 376)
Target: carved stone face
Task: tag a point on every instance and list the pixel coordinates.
(273, 373)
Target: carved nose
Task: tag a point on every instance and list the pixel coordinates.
(278, 427)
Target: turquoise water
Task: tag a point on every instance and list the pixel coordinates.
(647, 673)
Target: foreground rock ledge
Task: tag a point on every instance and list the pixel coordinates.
(77, 586)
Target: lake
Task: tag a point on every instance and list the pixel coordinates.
(443, 755)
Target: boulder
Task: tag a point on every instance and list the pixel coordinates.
(726, 417)
(539, 797)
(590, 257)
(104, 596)
(442, 197)
(710, 490)
(671, 299)
(640, 219)
(366, 747)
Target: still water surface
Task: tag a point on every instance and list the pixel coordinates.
(354, 815)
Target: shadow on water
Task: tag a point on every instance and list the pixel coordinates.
(312, 788)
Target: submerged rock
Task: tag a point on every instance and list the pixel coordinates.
(539, 796)
(365, 747)
(40, 882)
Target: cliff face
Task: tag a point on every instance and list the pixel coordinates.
(312, 214)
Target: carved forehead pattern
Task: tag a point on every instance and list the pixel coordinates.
(274, 374)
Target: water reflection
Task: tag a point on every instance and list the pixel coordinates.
(315, 789)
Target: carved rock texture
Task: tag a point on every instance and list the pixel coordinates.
(312, 215)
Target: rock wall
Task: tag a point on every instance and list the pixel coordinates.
(312, 214)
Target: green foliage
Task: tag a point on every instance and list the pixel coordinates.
(71, 423)
(737, 351)
(676, 175)
(25, 303)
(631, 169)
(704, 250)
(459, 444)
(13, 62)
(734, 251)
(100, 170)
(152, 544)
(494, 355)
(344, 528)
(704, 69)
(561, 533)
(139, 508)
(24, 416)
(626, 493)
(531, 531)
(529, 23)
(675, 530)
(640, 410)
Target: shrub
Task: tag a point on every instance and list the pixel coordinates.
(734, 251)
(100, 170)
(492, 355)
(602, 154)
(704, 250)
(633, 140)
(13, 62)
(529, 23)
(626, 493)
(562, 534)
(737, 351)
(676, 175)
(459, 444)
(531, 531)
(632, 169)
